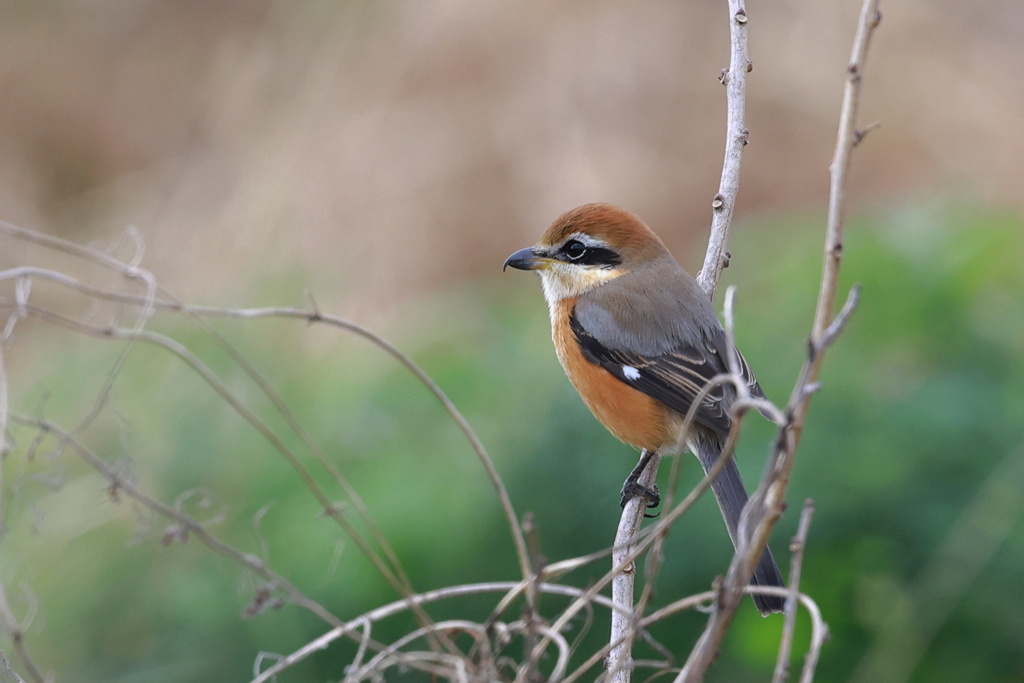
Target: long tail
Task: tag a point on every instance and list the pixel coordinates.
(732, 496)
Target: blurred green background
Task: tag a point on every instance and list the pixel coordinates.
(386, 157)
(912, 453)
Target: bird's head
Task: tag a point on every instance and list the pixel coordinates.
(586, 248)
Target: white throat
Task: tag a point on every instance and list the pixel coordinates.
(562, 281)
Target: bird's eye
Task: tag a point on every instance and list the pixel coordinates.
(574, 250)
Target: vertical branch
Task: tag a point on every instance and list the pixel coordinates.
(620, 656)
(789, 628)
(766, 504)
(735, 81)
(763, 510)
(847, 138)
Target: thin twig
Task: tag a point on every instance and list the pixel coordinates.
(392, 569)
(819, 629)
(24, 275)
(129, 270)
(394, 655)
(423, 377)
(398, 606)
(16, 632)
(796, 549)
(846, 140)
(767, 502)
(388, 564)
(171, 345)
(311, 315)
(736, 135)
(6, 664)
(122, 485)
(707, 597)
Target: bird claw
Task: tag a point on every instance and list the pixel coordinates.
(632, 488)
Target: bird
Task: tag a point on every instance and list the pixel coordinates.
(638, 338)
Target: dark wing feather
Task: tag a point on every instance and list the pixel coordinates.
(673, 378)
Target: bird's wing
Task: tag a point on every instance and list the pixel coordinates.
(673, 378)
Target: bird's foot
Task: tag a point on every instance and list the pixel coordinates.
(632, 488)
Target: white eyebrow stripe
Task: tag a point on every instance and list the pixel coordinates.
(581, 237)
(630, 373)
(587, 240)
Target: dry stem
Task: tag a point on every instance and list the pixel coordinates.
(736, 134)
(735, 79)
(796, 548)
(767, 503)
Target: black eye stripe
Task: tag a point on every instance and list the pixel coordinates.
(575, 251)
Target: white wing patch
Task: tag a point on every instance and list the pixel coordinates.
(630, 373)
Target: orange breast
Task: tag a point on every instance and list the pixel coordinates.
(631, 415)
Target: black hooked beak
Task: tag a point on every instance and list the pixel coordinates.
(526, 259)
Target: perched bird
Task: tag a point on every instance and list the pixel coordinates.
(639, 339)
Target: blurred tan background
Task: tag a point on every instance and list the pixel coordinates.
(399, 145)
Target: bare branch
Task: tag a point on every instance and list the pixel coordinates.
(715, 259)
(767, 502)
(16, 631)
(760, 514)
(736, 136)
(6, 664)
(846, 140)
(423, 377)
(796, 548)
(147, 303)
(620, 660)
(363, 621)
(312, 315)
